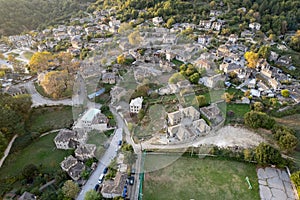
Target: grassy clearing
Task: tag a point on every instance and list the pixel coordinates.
(99, 139)
(49, 118)
(193, 178)
(40, 152)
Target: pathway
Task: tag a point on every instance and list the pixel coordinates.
(7, 150)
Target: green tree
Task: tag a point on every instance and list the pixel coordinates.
(266, 154)
(29, 172)
(3, 144)
(256, 119)
(201, 100)
(141, 114)
(264, 51)
(295, 41)
(285, 93)
(295, 177)
(92, 195)
(70, 189)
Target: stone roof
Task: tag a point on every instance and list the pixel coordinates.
(65, 135)
(68, 162)
(114, 188)
(75, 171)
(85, 151)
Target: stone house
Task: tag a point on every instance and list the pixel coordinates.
(93, 119)
(255, 26)
(157, 21)
(68, 139)
(109, 78)
(136, 105)
(73, 167)
(85, 151)
(212, 113)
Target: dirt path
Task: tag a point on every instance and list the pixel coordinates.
(7, 150)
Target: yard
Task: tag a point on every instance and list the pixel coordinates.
(99, 139)
(194, 178)
(49, 118)
(41, 152)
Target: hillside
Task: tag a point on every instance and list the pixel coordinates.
(17, 16)
(277, 17)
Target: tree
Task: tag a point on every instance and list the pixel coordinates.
(251, 58)
(295, 41)
(92, 195)
(170, 22)
(135, 38)
(201, 100)
(256, 119)
(40, 61)
(288, 142)
(124, 27)
(29, 172)
(141, 114)
(266, 154)
(227, 97)
(194, 78)
(121, 59)
(70, 189)
(264, 51)
(295, 177)
(285, 93)
(258, 106)
(3, 144)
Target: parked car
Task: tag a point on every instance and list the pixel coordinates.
(131, 180)
(120, 143)
(96, 187)
(105, 170)
(101, 177)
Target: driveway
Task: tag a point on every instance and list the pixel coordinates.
(109, 155)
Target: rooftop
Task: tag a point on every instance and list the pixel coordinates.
(90, 114)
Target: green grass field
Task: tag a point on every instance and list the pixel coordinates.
(42, 151)
(194, 178)
(99, 139)
(50, 118)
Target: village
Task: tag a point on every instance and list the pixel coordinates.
(153, 79)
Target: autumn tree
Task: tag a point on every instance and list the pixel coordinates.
(40, 61)
(65, 62)
(135, 38)
(58, 83)
(170, 22)
(70, 189)
(258, 106)
(264, 51)
(251, 58)
(285, 93)
(124, 27)
(227, 97)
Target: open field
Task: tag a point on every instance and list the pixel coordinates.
(49, 118)
(40, 152)
(194, 178)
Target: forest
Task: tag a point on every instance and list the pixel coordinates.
(276, 16)
(17, 16)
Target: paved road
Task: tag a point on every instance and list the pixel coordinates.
(109, 155)
(39, 100)
(133, 190)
